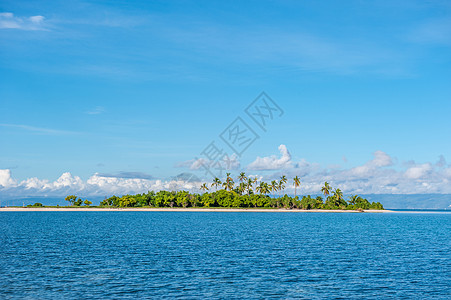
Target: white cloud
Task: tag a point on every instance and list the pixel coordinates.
(36, 19)
(5, 179)
(273, 162)
(114, 185)
(34, 183)
(65, 181)
(231, 162)
(447, 172)
(381, 159)
(380, 175)
(418, 171)
(96, 185)
(10, 21)
(193, 164)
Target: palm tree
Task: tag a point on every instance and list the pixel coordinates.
(204, 187)
(353, 199)
(250, 182)
(259, 188)
(229, 183)
(242, 177)
(273, 187)
(338, 196)
(263, 188)
(282, 182)
(216, 182)
(242, 187)
(326, 189)
(283, 179)
(266, 189)
(296, 183)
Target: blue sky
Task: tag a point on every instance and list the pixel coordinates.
(143, 87)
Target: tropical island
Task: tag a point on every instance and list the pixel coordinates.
(247, 192)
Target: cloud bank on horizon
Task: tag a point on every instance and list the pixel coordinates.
(380, 175)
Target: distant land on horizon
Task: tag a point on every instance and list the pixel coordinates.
(390, 201)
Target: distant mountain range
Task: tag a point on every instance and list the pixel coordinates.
(412, 201)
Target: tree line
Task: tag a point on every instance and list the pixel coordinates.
(247, 192)
(75, 201)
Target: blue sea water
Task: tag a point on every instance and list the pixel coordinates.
(75, 255)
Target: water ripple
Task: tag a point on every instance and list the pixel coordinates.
(224, 255)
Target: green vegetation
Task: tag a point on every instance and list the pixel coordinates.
(75, 201)
(247, 193)
(37, 204)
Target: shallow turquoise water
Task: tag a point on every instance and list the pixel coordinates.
(224, 255)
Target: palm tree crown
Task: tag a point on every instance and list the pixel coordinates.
(229, 183)
(263, 188)
(296, 183)
(250, 182)
(282, 182)
(326, 189)
(204, 187)
(283, 178)
(274, 187)
(242, 177)
(216, 182)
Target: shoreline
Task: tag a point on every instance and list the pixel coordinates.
(218, 209)
(282, 210)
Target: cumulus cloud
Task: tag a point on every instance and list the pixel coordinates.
(283, 163)
(5, 179)
(381, 159)
(115, 185)
(380, 175)
(65, 181)
(96, 185)
(273, 162)
(418, 171)
(10, 21)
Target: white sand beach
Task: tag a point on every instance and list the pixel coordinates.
(282, 210)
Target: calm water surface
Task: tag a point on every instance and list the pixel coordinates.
(224, 255)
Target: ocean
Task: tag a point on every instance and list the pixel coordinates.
(120, 255)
